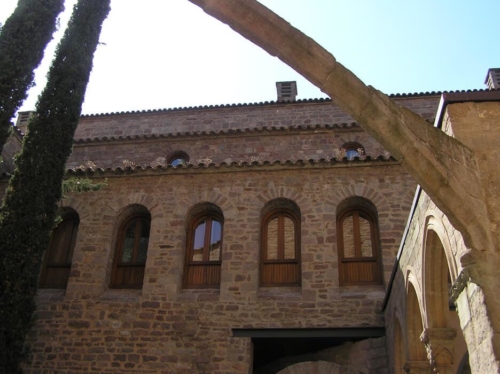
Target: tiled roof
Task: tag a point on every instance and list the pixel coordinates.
(246, 130)
(240, 105)
(233, 166)
(80, 171)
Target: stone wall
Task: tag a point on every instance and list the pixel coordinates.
(224, 118)
(411, 274)
(260, 146)
(166, 328)
(433, 251)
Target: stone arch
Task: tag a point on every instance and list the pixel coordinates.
(318, 367)
(443, 338)
(67, 211)
(436, 225)
(274, 192)
(412, 280)
(139, 198)
(78, 205)
(206, 196)
(414, 320)
(437, 271)
(280, 202)
(354, 190)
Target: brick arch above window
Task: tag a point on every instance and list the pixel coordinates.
(280, 244)
(59, 254)
(204, 247)
(358, 242)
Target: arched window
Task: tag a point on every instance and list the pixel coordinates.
(353, 149)
(178, 158)
(280, 247)
(58, 256)
(204, 245)
(358, 244)
(131, 252)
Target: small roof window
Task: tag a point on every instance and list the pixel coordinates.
(178, 158)
(353, 149)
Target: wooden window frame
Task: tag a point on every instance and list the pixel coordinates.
(276, 264)
(49, 268)
(210, 269)
(134, 265)
(344, 262)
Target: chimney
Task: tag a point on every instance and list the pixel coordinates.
(287, 91)
(493, 79)
(22, 121)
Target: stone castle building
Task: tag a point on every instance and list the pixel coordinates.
(276, 237)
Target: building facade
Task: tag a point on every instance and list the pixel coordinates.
(258, 238)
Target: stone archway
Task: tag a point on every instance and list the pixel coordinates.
(442, 336)
(318, 367)
(417, 362)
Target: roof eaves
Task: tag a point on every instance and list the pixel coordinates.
(228, 132)
(267, 103)
(361, 161)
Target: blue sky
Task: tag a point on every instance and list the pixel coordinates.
(165, 54)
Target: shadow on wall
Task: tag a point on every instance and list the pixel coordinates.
(315, 355)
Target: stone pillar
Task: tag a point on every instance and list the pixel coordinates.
(476, 324)
(439, 344)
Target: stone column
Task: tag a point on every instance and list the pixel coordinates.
(476, 324)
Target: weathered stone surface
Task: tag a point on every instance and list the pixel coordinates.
(473, 271)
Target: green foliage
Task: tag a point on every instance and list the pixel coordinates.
(81, 185)
(29, 209)
(22, 42)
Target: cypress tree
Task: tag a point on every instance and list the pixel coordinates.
(22, 42)
(29, 208)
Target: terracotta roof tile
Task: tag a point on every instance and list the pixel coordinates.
(233, 165)
(243, 105)
(246, 130)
